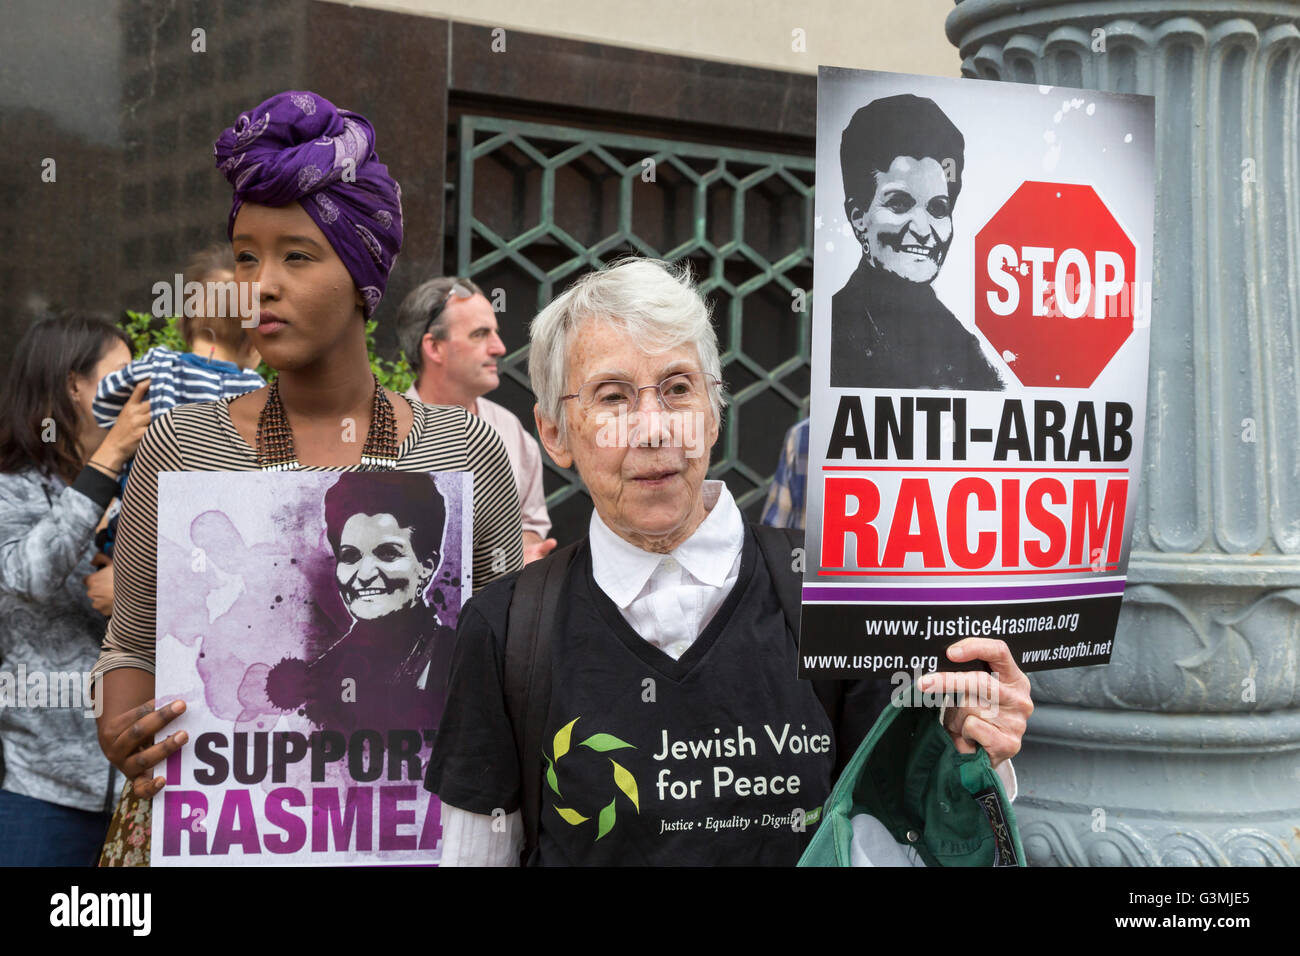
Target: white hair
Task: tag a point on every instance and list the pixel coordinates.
(656, 304)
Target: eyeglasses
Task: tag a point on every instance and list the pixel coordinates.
(458, 291)
(681, 392)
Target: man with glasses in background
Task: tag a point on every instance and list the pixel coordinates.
(448, 331)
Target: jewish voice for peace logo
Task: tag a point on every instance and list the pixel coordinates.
(623, 780)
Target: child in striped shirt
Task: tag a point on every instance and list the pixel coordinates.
(220, 363)
(175, 378)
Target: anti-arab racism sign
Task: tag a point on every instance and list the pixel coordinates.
(979, 369)
(307, 619)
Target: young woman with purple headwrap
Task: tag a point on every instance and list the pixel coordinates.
(316, 222)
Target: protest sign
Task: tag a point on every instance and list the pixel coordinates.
(307, 619)
(979, 369)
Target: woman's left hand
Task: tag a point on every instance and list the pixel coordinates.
(994, 707)
(100, 586)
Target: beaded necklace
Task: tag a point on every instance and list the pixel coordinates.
(275, 451)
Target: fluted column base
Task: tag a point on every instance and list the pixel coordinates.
(1126, 788)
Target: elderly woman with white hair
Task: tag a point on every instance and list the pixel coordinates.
(632, 698)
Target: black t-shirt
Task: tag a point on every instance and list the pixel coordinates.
(712, 759)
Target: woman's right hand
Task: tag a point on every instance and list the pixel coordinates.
(132, 422)
(128, 742)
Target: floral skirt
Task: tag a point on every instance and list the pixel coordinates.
(127, 843)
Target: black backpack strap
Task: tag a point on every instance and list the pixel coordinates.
(777, 546)
(530, 630)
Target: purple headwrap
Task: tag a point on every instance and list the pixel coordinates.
(299, 146)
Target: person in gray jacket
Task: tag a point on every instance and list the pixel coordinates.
(58, 473)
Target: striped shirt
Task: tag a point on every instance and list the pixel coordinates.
(175, 378)
(203, 438)
(784, 507)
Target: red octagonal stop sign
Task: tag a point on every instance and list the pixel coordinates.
(1054, 282)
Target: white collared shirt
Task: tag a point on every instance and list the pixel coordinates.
(669, 599)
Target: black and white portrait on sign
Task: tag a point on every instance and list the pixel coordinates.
(385, 532)
(901, 159)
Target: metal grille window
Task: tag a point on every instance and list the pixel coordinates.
(539, 205)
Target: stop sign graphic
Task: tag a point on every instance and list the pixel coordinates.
(1055, 276)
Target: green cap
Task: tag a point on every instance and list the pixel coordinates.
(950, 807)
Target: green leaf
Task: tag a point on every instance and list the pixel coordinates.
(606, 822)
(560, 746)
(572, 816)
(146, 332)
(397, 375)
(627, 783)
(603, 742)
(550, 777)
